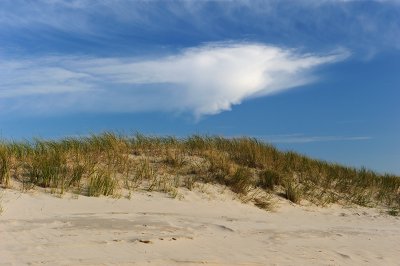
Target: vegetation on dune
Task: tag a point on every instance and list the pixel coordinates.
(102, 164)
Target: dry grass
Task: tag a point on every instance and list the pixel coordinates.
(293, 193)
(101, 184)
(103, 164)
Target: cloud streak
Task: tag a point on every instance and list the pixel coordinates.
(300, 138)
(114, 26)
(203, 80)
(361, 25)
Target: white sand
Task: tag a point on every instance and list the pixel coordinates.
(38, 228)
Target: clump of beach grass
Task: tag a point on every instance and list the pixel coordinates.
(293, 193)
(269, 179)
(101, 183)
(4, 167)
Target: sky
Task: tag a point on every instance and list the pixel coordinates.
(319, 77)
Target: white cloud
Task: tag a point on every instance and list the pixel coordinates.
(300, 138)
(202, 80)
(113, 26)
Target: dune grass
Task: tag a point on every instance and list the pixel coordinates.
(103, 164)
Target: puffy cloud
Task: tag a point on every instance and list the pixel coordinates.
(202, 80)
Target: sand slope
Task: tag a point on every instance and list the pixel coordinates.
(152, 229)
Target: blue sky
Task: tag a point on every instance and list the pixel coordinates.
(318, 77)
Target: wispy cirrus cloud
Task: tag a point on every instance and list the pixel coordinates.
(301, 138)
(365, 26)
(202, 80)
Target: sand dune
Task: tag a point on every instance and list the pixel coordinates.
(201, 228)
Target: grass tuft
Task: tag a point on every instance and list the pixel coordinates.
(264, 203)
(268, 179)
(241, 181)
(394, 212)
(293, 193)
(4, 167)
(101, 183)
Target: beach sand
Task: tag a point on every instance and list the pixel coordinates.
(200, 228)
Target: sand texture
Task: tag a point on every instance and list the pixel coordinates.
(152, 229)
